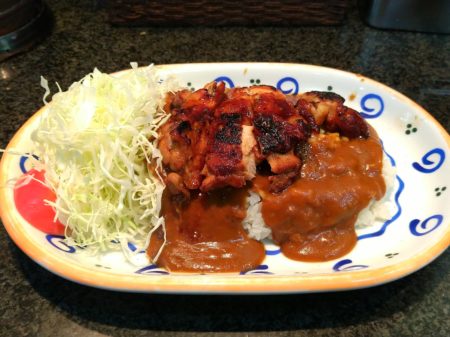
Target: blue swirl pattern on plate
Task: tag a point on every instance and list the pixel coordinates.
(272, 252)
(133, 248)
(288, 80)
(429, 165)
(261, 269)
(57, 241)
(23, 160)
(225, 79)
(420, 228)
(372, 106)
(368, 112)
(339, 266)
(152, 270)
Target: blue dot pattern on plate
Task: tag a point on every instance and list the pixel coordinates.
(339, 266)
(368, 112)
(419, 228)
(288, 80)
(428, 164)
(372, 106)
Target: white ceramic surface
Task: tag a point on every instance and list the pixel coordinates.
(418, 231)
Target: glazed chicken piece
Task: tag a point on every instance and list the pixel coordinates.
(329, 112)
(224, 160)
(217, 137)
(280, 126)
(183, 139)
(207, 143)
(282, 163)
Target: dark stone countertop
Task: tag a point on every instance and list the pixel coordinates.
(34, 302)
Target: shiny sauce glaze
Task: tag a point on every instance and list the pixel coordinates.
(319, 164)
(205, 234)
(314, 218)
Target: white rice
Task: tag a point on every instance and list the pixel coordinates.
(380, 210)
(254, 223)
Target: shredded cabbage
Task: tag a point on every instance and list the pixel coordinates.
(95, 141)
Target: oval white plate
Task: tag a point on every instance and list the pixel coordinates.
(416, 234)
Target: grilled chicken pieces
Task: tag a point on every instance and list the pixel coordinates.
(217, 137)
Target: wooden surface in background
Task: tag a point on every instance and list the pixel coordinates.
(225, 13)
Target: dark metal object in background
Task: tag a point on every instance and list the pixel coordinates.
(225, 13)
(23, 23)
(432, 16)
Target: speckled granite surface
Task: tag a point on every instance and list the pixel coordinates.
(34, 302)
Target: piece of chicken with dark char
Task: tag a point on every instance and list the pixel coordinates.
(217, 137)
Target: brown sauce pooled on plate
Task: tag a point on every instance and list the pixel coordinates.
(205, 234)
(323, 165)
(313, 219)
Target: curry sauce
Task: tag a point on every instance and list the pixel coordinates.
(313, 219)
(206, 234)
(314, 162)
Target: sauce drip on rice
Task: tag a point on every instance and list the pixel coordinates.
(314, 162)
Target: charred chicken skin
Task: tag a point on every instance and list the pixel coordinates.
(217, 137)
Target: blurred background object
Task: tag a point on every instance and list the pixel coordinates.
(415, 15)
(23, 23)
(225, 13)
